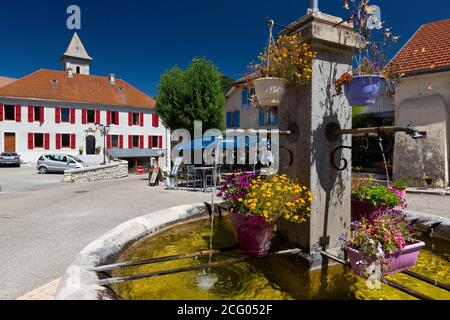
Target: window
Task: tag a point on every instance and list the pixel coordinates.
(115, 118)
(155, 142)
(39, 140)
(233, 119)
(273, 116)
(10, 113)
(247, 94)
(114, 141)
(65, 140)
(78, 70)
(65, 115)
(136, 119)
(37, 114)
(91, 116)
(136, 142)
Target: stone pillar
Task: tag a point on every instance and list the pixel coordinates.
(307, 155)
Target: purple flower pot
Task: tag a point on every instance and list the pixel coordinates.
(253, 233)
(363, 209)
(364, 90)
(395, 263)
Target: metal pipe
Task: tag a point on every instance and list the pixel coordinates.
(218, 264)
(415, 134)
(197, 254)
(428, 280)
(314, 7)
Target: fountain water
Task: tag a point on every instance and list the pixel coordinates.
(380, 143)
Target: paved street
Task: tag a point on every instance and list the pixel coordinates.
(45, 223)
(429, 204)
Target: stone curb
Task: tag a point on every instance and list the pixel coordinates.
(81, 283)
(438, 227)
(437, 192)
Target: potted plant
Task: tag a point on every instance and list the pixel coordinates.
(81, 151)
(373, 74)
(386, 242)
(369, 198)
(286, 60)
(401, 185)
(255, 204)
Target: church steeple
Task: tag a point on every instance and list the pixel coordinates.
(76, 57)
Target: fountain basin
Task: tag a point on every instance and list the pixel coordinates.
(186, 229)
(80, 282)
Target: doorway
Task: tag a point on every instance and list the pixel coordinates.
(10, 142)
(90, 145)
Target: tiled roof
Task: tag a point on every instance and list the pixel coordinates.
(427, 51)
(5, 81)
(57, 86)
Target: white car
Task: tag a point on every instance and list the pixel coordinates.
(58, 163)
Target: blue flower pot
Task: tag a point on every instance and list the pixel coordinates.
(364, 90)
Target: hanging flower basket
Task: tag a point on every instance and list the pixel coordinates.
(253, 233)
(270, 91)
(364, 90)
(391, 264)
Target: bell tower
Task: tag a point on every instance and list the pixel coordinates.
(76, 57)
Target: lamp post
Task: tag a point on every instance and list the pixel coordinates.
(104, 130)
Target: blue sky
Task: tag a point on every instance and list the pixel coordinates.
(138, 40)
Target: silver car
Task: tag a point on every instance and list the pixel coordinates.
(10, 159)
(58, 163)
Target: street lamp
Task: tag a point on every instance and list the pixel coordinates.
(104, 130)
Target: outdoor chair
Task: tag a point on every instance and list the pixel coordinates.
(210, 177)
(191, 177)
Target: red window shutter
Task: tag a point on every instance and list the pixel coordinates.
(42, 112)
(97, 116)
(108, 142)
(142, 119)
(30, 114)
(57, 115)
(72, 116)
(30, 141)
(155, 121)
(18, 113)
(58, 141)
(84, 116)
(121, 142)
(47, 141)
(73, 141)
(117, 118)
(108, 118)
(130, 119)
(150, 142)
(1, 112)
(160, 142)
(130, 142)
(141, 142)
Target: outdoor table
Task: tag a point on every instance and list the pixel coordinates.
(204, 170)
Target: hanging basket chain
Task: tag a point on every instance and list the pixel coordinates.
(270, 42)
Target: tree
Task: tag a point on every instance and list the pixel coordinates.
(227, 83)
(192, 95)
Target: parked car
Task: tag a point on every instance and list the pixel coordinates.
(10, 158)
(58, 163)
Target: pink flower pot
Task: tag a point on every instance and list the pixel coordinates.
(253, 234)
(363, 209)
(395, 263)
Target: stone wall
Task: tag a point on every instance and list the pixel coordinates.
(115, 170)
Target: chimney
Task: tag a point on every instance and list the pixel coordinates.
(70, 72)
(112, 78)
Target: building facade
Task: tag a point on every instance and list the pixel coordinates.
(52, 111)
(241, 113)
(422, 100)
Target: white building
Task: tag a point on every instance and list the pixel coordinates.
(52, 111)
(422, 100)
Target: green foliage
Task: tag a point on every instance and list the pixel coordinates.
(227, 83)
(400, 184)
(380, 195)
(192, 95)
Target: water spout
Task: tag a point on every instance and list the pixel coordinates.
(333, 132)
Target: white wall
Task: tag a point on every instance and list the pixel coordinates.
(49, 126)
(424, 102)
